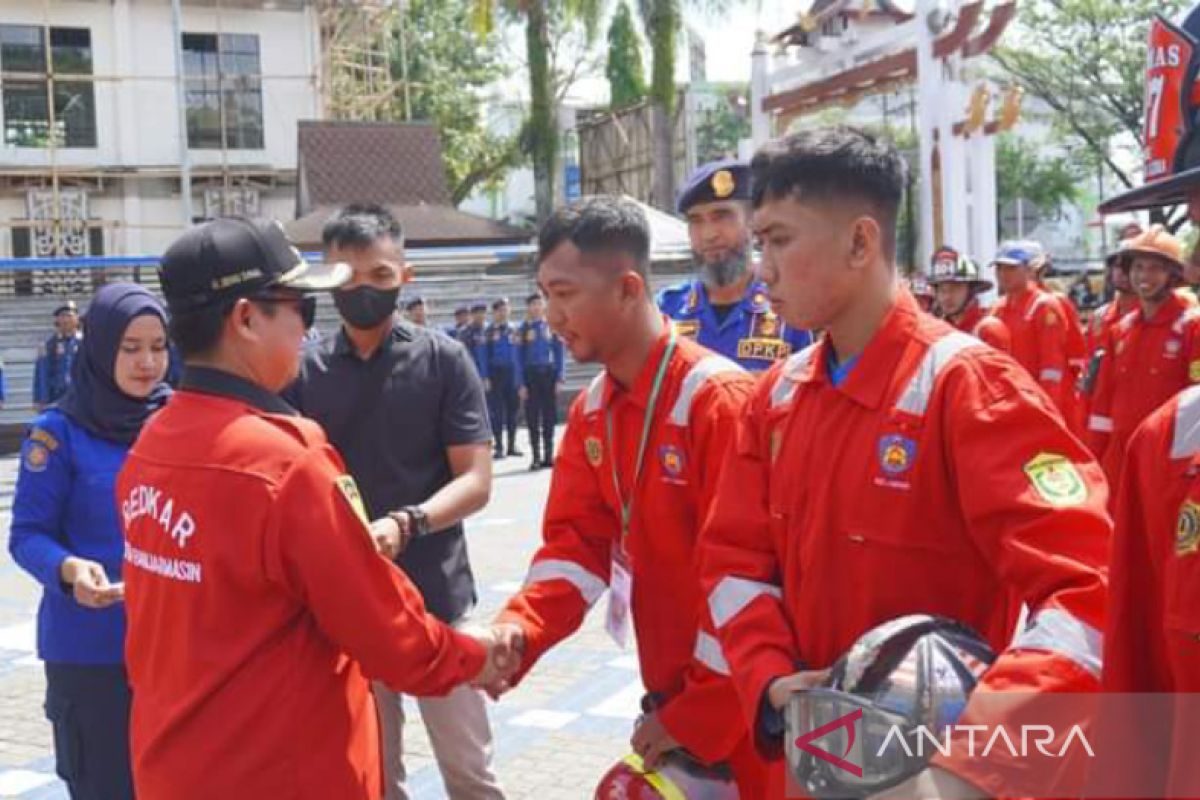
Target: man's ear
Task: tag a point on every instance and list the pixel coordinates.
(408, 273)
(866, 242)
(633, 286)
(240, 320)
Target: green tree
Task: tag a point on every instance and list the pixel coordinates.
(540, 18)
(445, 74)
(718, 131)
(1048, 182)
(624, 70)
(1086, 60)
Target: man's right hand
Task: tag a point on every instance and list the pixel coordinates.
(504, 659)
(782, 689)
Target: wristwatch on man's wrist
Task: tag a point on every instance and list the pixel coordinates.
(418, 519)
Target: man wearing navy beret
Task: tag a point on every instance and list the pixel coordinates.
(726, 307)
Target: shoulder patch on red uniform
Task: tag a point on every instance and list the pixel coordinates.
(1056, 480)
(349, 492)
(1187, 529)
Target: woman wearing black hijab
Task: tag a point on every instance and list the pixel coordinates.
(67, 535)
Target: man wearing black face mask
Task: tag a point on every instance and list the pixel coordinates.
(405, 407)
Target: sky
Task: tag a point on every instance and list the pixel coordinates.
(730, 37)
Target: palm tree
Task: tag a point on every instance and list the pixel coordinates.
(541, 130)
(663, 19)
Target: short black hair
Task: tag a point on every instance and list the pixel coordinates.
(197, 332)
(360, 225)
(837, 161)
(600, 224)
(533, 298)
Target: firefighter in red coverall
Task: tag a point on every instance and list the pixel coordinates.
(956, 282)
(258, 607)
(1124, 299)
(1150, 355)
(1153, 633)
(1036, 322)
(947, 483)
(633, 480)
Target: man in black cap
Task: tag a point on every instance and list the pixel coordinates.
(462, 315)
(474, 336)
(52, 370)
(415, 310)
(500, 377)
(258, 605)
(727, 308)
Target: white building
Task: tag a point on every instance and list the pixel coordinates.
(91, 161)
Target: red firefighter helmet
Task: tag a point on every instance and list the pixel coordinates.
(679, 778)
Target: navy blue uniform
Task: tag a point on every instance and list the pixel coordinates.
(751, 334)
(474, 338)
(501, 372)
(65, 505)
(540, 365)
(52, 372)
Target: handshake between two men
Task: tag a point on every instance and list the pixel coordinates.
(505, 643)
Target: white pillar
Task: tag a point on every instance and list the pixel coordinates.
(760, 83)
(983, 176)
(928, 102)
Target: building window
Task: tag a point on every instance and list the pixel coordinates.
(33, 85)
(224, 91)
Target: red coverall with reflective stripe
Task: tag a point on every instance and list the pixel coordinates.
(1040, 343)
(681, 661)
(936, 479)
(1146, 362)
(1153, 633)
(985, 327)
(258, 610)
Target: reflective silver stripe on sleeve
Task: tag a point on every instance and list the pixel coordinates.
(1057, 631)
(1100, 424)
(1186, 442)
(1051, 375)
(733, 594)
(1038, 302)
(595, 394)
(709, 653)
(588, 583)
(915, 399)
(700, 372)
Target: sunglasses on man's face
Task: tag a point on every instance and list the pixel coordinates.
(306, 304)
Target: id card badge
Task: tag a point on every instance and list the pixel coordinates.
(620, 588)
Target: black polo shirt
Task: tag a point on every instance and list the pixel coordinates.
(392, 418)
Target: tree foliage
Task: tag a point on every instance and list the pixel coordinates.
(1048, 182)
(446, 75)
(624, 70)
(1086, 60)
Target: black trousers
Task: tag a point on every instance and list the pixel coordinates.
(88, 706)
(503, 403)
(541, 409)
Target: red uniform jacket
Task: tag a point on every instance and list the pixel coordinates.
(258, 609)
(947, 484)
(1146, 362)
(1153, 632)
(1042, 344)
(1104, 318)
(985, 327)
(681, 661)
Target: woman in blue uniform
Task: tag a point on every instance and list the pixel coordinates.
(66, 534)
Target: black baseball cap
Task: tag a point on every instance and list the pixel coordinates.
(236, 257)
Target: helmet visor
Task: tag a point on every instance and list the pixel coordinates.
(840, 745)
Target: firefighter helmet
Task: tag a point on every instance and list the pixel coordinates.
(904, 677)
(950, 266)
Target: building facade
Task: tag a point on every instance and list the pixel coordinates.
(91, 155)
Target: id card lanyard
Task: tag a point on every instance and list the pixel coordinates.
(621, 581)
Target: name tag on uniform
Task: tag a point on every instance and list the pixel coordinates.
(687, 327)
(765, 349)
(620, 589)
